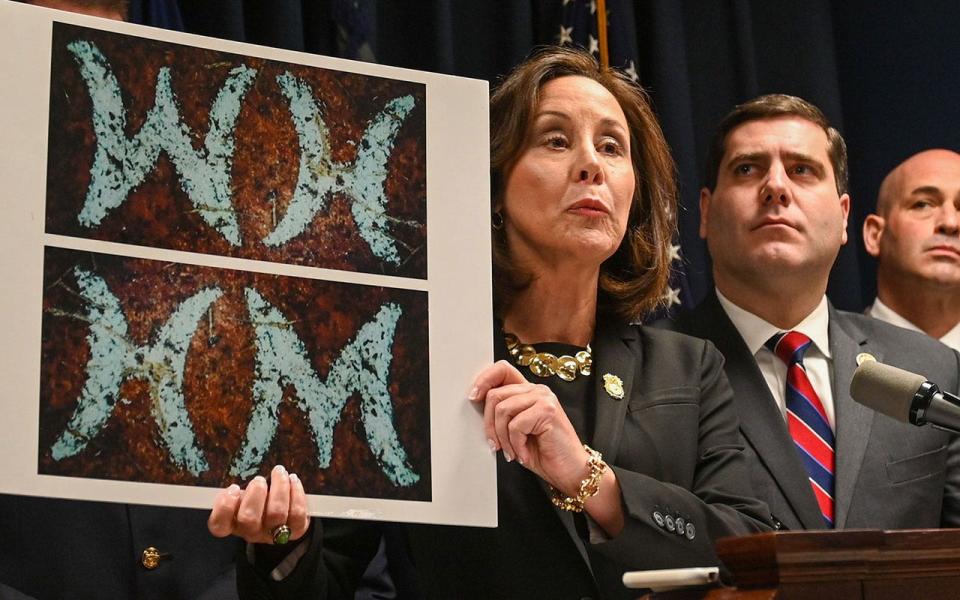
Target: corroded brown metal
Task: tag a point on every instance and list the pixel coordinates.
(220, 372)
(266, 160)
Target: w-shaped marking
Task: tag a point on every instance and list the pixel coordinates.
(121, 164)
(362, 368)
(114, 358)
(320, 177)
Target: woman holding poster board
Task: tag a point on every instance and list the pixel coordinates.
(617, 444)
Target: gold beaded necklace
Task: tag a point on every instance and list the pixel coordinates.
(545, 364)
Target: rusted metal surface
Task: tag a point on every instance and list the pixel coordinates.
(220, 372)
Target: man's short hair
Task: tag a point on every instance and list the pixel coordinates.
(768, 107)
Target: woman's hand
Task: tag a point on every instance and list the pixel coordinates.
(526, 421)
(256, 512)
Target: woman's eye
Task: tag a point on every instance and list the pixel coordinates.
(557, 141)
(611, 147)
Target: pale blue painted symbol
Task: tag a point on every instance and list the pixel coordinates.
(120, 163)
(115, 358)
(320, 177)
(362, 367)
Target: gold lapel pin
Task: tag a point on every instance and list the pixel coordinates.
(613, 385)
(864, 357)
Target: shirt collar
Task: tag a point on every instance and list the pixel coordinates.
(756, 331)
(952, 337)
(881, 311)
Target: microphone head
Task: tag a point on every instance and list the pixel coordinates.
(886, 389)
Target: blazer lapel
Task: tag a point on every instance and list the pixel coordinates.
(853, 420)
(611, 354)
(615, 352)
(761, 422)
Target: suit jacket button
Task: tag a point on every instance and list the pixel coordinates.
(680, 525)
(671, 524)
(150, 558)
(691, 531)
(658, 518)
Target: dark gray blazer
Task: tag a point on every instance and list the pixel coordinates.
(889, 475)
(673, 443)
(51, 549)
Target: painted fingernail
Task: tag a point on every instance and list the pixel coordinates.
(233, 490)
(279, 470)
(474, 392)
(508, 456)
(294, 478)
(260, 478)
(492, 444)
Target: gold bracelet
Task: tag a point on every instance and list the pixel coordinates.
(588, 487)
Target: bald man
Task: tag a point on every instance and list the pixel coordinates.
(915, 237)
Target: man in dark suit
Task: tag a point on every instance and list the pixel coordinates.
(51, 548)
(774, 215)
(915, 236)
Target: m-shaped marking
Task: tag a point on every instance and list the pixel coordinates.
(363, 368)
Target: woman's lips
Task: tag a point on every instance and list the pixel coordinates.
(589, 207)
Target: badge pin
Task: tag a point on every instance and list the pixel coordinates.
(613, 386)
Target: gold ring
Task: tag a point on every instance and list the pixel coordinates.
(281, 535)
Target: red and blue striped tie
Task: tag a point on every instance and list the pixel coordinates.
(806, 419)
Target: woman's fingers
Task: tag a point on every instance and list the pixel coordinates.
(256, 512)
(504, 411)
(250, 514)
(493, 398)
(278, 500)
(498, 374)
(223, 515)
(297, 519)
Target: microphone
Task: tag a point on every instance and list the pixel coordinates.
(905, 396)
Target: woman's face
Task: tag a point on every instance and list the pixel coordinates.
(567, 197)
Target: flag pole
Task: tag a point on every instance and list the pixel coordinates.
(602, 33)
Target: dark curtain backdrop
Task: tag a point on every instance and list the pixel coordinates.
(885, 72)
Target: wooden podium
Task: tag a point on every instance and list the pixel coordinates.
(828, 565)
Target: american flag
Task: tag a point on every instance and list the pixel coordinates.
(607, 29)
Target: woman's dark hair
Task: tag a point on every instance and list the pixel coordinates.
(634, 280)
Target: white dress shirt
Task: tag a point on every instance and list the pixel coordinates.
(816, 361)
(881, 311)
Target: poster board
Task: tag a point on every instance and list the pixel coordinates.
(218, 257)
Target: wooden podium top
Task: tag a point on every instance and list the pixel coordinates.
(847, 564)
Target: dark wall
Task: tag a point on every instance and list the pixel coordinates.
(899, 68)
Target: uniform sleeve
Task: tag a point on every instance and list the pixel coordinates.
(332, 566)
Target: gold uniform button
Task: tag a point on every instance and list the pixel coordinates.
(150, 558)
